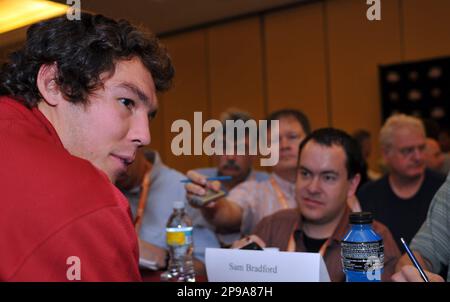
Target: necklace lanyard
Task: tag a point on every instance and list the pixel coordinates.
(280, 195)
(143, 197)
(292, 245)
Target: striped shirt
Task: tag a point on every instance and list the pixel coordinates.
(259, 199)
(433, 239)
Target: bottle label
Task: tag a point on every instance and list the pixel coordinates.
(362, 256)
(179, 236)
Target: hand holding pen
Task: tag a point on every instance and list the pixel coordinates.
(219, 178)
(414, 261)
(202, 190)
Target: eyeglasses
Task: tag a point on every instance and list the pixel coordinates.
(408, 151)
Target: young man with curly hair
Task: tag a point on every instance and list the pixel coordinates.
(75, 103)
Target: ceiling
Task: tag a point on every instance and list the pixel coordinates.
(165, 16)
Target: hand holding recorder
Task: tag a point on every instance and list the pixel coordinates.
(201, 190)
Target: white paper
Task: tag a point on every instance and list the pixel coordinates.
(234, 265)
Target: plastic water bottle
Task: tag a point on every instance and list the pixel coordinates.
(362, 250)
(179, 241)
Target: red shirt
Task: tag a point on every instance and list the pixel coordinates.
(54, 205)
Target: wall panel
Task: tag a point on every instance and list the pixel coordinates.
(295, 59)
(188, 94)
(356, 48)
(235, 67)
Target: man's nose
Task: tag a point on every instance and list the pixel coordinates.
(313, 185)
(140, 131)
(284, 144)
(231, 157)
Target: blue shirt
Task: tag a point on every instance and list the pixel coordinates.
(166, 188)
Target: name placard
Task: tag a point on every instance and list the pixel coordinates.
(234, 265)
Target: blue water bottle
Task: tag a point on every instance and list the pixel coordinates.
(362, 250)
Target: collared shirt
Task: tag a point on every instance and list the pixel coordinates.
(275, 230)
(259, 199)
(165, 188)
(433, 239)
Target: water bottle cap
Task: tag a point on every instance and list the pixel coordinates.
(361, 218)
(178, 204)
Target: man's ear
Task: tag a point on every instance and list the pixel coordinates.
(47, 86)
(354, 182)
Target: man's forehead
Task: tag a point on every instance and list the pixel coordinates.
(408, 139)
(236, 139)
(407, 132)
(290, 121)
(135, 75)
(321, 157)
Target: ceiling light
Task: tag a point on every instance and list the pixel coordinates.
(19, 13)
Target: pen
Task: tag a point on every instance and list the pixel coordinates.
(414, 261)
(210, 179)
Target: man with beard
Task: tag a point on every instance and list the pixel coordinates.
(239, 167)
(328, 174)
(401, 198)
(251, 201)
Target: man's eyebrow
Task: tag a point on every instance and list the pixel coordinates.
(329, 172)
(300, 167)
(321, 172)
(134, 89)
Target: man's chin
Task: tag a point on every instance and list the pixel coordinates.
(416, 173)
(310, 214)
(114, 176)
(312, 218)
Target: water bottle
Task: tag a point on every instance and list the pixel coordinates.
(362, 250)
(179, 241)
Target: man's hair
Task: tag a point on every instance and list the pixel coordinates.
(334, 137)
(395, 123)
(297, 114)
(82, 50)
(234, 114)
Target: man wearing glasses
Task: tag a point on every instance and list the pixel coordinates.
(401, 198)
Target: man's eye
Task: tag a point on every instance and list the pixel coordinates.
(127, 103)
(406, 151)
(329, 178)
(304, 173)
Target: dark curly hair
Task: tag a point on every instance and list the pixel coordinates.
(82, 50)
